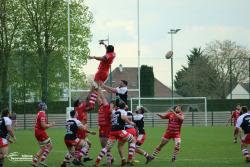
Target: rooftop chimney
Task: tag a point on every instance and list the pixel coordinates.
(120, 68)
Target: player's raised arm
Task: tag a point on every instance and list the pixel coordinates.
(103, 58)
(162, 116)
(101, 42)
(109, 89)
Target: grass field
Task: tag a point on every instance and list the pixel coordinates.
(201, 147)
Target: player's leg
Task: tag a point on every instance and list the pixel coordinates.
(78, 154)
(43, 141)
(245, 152)
(235, 135)
(131, 150)
(245, 140)
(140, 151)
(37, 156)
(85, 150)
(100, 78)
(103, 137)
(69, 155)
(92, 96)
(47, 147)
(176, 148)
(140, 140)
(121, 152)
(104, 151)
(157, 150)
(3, 154)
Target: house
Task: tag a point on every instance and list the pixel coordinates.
(241, 91)
(130, 74)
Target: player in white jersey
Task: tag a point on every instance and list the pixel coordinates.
(243, 122)
(6, 131)
(119, 117)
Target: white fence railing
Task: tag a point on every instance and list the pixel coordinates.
(151, 119)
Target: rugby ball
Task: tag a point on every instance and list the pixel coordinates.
(169, 54)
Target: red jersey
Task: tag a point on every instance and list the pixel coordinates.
(40, 117)
(105, 64)
(174, 124)
(81, 111)
(235, 116)
(104, 115)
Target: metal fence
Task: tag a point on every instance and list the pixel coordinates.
(151, 119)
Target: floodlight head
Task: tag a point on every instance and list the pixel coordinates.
(177, 30)
(174, 31)
(103, 40)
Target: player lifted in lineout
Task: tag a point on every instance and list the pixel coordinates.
(41, 136)
(104, 66)
(173, 131)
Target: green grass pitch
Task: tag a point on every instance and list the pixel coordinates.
(201, 147)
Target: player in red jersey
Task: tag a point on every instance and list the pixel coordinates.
(105, 63)
(117, 132)
(243, 124)
(173, 131)
(40, 133)
(6, 131)
(82, 107)
(104, 122)
(234, 117)
(73, 143)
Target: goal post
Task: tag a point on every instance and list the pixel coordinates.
(162, 104)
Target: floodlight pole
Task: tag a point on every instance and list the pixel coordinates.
(69, 63)
(138, 45)
(171, 32)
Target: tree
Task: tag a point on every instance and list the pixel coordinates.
(147, 81)
(220, 53)
(10, 19)
(46, 33)
(199, 78)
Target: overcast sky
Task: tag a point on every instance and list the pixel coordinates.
(200, 21)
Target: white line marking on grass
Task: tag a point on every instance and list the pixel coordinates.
(222, 160)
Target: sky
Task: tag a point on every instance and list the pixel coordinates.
(200, 21)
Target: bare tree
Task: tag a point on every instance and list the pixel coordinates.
(228, 59)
